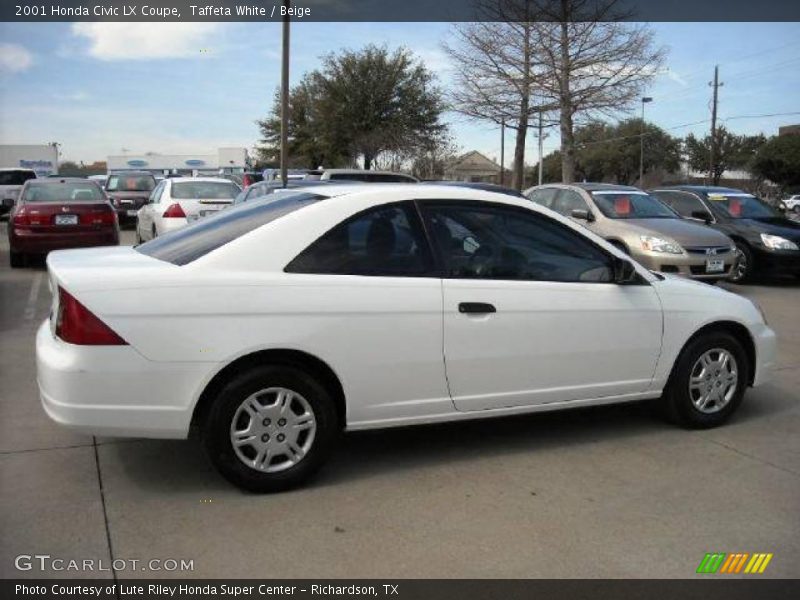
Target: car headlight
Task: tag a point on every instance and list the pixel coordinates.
(657, 244)
(776, 242)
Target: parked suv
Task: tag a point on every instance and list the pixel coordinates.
(128, 192)
(11, 182)
(766, 241)
(643, 227)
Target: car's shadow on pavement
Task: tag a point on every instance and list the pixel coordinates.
(165, 466)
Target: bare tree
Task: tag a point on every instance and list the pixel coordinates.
(576, 58)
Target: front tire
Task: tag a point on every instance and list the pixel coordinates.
(708, 382)
(270, 428)
(743, 266)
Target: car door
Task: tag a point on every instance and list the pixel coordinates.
(531, 315)
(381, 327)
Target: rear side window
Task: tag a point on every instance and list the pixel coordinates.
(16, 177)
(63, 192)
(543, 196)
(384, 241)
(190, 243)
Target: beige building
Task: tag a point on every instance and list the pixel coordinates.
(473, 166)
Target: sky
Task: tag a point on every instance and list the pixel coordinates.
(114, 88)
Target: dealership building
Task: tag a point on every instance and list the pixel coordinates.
(226, 160)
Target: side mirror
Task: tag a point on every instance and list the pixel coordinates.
(583, 215)
(701, 215)
(624, 272)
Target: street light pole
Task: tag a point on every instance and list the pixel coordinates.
(285, 98)
(645, 100)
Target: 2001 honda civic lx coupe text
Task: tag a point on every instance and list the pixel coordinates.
(272, 326)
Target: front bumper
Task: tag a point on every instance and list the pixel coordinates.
(688, 265)
(115, 391)
(777, 262)
(766, 345)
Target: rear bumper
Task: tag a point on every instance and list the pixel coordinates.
(31, 242)
(113, 390)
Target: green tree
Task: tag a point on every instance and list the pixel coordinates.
(779, 160)
(359, 105)
(731, 152)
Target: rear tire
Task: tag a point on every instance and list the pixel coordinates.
(262, 443)
(154, 232)
(138, 233)
(17, 260)
(702, 392)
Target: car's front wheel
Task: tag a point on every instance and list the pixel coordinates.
(708, 381)
(743, 265)
(270, 428)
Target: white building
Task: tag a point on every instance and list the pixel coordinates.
(42, 158)
(228, 160)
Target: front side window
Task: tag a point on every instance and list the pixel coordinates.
(684, 204)
(483, 241)
(630, 205)
(385, 241)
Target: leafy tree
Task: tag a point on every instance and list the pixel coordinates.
(359, 104)
(779, 160)
(731, 152)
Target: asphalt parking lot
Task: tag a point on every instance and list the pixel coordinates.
(609, 492)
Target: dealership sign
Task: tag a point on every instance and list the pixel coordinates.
(40, 167)
(194, 162)
(137, 163)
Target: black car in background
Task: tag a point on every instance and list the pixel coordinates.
(767, 242)
(128, 192)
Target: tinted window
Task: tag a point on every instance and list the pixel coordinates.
(567, 201)
(203, 190)
(682, 203)
(85, 191)
(543, 196)
(480, 241)
(130, 183)
(384, 241)
(190, 243)
(631, 205)
(16, 177)
(741, 206)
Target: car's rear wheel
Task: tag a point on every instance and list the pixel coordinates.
(138, 233)
(16, 259)
(708, 381)
(743, 265)
(270, 428)
(154, 232)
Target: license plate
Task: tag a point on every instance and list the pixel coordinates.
(715, 265)
(131, 213)
(66, 219)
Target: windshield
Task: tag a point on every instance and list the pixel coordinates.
(131, 183)
(204, 190)
(741, 206)
(63, 192)
(15, 177)
(631, 205)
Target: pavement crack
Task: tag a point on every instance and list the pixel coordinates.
(750, 456)
(105, 513)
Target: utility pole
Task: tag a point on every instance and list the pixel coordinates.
(502, 150)
(285, 98)
(713, 146)
(541, 150)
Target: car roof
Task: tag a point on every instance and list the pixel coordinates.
(17, 169)
(360, 171)
(183, 179)
(138, 173)
(711, 189)
(594, 187)
(57, 180)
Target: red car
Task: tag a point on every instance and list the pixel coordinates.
(52, 214)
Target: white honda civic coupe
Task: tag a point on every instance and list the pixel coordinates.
(272, 326)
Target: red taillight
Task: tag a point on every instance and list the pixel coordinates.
(75, 324)
(22, 218)
(174, 211)
(102, 216)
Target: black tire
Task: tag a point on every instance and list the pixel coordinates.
(744, 267)
(16, 259)
(155, 232)
(677, 404)
(216, 431)
(138, 234)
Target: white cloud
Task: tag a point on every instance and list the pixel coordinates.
(676, 78)
(14, 58)
(144, 41)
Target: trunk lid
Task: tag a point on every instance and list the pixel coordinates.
(63, 217)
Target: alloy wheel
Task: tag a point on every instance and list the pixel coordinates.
(740, 266)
